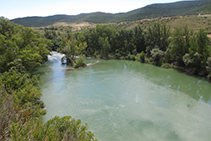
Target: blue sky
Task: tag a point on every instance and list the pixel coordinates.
(21, 8)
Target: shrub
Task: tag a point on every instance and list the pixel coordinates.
(80, 62)
(142, 57)
(149, 60)
(157, 55)
(133, 57)
(166, 65)
(117, 55)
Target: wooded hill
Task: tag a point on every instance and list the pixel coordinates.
(151, 11)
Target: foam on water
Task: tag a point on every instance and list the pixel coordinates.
(55, 57)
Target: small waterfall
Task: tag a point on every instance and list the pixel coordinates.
(55, 56)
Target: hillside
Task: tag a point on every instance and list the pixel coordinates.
(151, 11)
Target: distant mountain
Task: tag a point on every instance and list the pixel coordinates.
(151, 11)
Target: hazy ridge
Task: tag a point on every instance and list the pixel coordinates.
(182, 8)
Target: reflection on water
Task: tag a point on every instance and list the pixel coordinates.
(125, 100)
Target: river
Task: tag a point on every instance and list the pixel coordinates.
(129, 101)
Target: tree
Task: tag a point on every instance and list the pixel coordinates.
(208, 68)
(92, 39)
(139, 39)
(65, 128)
(157, 55)
(157, 37)
(180, 43)
(198, 52)
(18, 42)
(71, 50)
(21, 50)
(6, 27)
(105, 47)
(142, 57)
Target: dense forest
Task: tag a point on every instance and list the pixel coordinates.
(180, 8)
(21, 50)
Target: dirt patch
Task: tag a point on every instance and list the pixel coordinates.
(61, 24)
(82, 24)
(208, 15)
(132, 26)
(209, 35)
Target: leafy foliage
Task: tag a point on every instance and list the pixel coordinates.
(18, 42)
(180, 43)
(65, 128)
(142, 57)
(72, 47)
(157, 37)
(183, 48)
(21, 50)
(105, 47)
(157, 55)
(80, 62)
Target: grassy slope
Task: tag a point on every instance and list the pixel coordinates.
(193, 22)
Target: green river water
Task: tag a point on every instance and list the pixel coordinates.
(129, 101)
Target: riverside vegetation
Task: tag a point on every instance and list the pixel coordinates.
(21, 50)
(181, 48)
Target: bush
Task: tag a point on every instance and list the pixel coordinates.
(128, 57)
(157, 55)
(133, 57)
(142, 57)
(166, 65)
(56, 129)
(149, 60)
(80, 62)
(117, 55)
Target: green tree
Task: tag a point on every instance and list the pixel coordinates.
(208, 68)
(157, 55)
(65, 128)
(142, 57)
(71, 50)
(157, 37)
(92, 39)
(139, 39)
(105, 47)
(18, 42)
(198, 53)
(21, 50)
(180, 43)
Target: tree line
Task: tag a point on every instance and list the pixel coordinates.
(181, 48)
(22, 50)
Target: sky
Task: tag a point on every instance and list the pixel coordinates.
(23, 8)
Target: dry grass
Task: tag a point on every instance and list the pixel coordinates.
(82, 24)
(193, 22)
